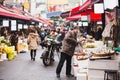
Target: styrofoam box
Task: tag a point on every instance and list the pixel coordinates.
(82, 70)
(75, 71)
(104, 64)
(75, 68)
(74, 60)
(81, 76)
(4, 56)
(83, 63)
(99, 73)
(95, 78)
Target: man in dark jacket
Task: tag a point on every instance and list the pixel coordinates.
(68, 47)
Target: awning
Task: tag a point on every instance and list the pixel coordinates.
(65, 14)
(54, 14)
(35, 19)
(75, 17)
(75, 11)
(92, 16)
(7, 13)
(80, 9)
(20, 16)
(95, 17)
(88, 3)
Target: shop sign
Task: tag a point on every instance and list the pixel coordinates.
(45, 25)
(98, 8)
(84, 18)
(75, 24)
(33, 22)
(100, 22)
(40, 24)
(53, 8)
(110, 4)
(79, 23)
(85, 23)
(26, 5)
(13, 25)
(5, 23)
(25, 27)
(20, 26)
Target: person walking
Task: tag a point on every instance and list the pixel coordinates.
(33, 42)
(68, 46)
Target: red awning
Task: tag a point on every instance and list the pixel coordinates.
(74, 11)
(88, 4)
(4, 12)
(35, 19)
(85, 9)
(7, 13)
(95, 17)
(20, 16)
(80, 9)
(75, 17)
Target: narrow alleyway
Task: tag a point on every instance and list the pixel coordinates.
(22, 68)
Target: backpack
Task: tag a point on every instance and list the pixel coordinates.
(42, 34)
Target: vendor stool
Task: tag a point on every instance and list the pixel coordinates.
(113, 73)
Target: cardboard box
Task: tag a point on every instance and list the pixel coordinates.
(20, 47)
(75, 71)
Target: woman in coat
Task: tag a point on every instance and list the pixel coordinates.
(33, 42)
(68, 47)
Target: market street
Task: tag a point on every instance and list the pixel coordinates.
(22, 68)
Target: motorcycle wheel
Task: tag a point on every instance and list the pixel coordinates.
(46, 61)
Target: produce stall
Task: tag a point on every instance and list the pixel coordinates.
(7, 52)
(93, 59)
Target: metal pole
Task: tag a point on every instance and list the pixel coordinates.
(119, 3)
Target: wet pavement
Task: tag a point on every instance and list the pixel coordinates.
(22, 68)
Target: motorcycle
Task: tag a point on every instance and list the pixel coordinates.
(48, 55)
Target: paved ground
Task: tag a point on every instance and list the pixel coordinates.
(22, 68)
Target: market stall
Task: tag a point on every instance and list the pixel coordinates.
(94, 60)
(7, 52)
(22, 46)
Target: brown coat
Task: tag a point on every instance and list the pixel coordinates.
(33, 41)
(69, 43)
